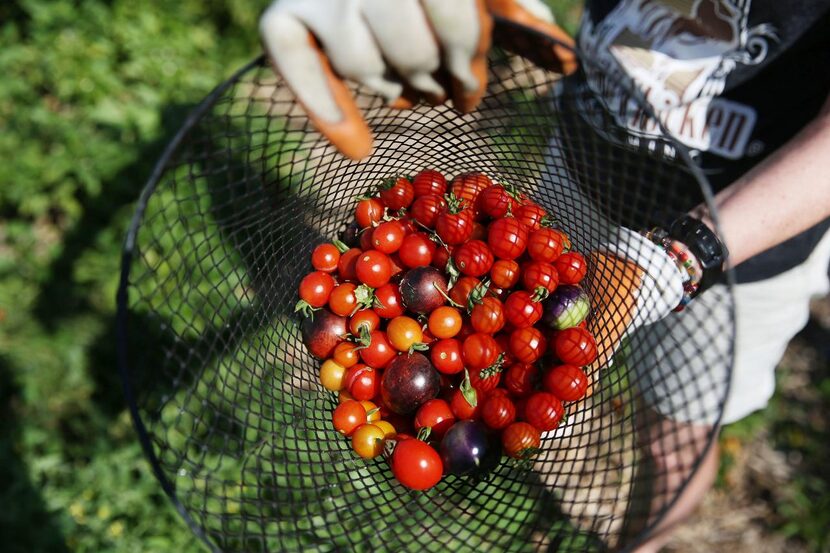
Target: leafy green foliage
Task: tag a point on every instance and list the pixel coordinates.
(91, 93)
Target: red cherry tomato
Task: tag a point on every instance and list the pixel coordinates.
(346, 265)
(520, 379)
(363, 318)
(487, 316)
(503, 340)
(397, 266)
(436, 414)
(479, 232)
(468, 186)
(368, 212)
(505, 273)
(507, 238)
(325, 257)
(425, 209)
(520, 439)
(397, 193)
(543, 410)
(454, 228)
(342, 300)
(366, 239)
(460, 292)
(379, 352)
(442, 255)
(473, 258)
(571, 267)
(373, 268)
(530, 215)
(545, 244)
(429, 181)
(539, 274)
(495, 201)
(348, 416)
(498, 411)
(527, 344)
(389, 303)
(521, 311)
(417, 250)
(416, 465)
(484, 380)
(315, 288)
(479, 351)
(567, 382)
(461, 408)
(388, 236)
(446, 356)
(575, 346)
(362, 382)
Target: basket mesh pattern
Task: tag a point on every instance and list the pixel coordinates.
(227, 400)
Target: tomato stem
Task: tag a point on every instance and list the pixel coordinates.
(446, 297)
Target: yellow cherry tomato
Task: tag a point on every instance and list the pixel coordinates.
(389, 431)
(403, 333)
(332, 375)
(369, 406)
(367, 441)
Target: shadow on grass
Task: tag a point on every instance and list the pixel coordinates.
(25, 522)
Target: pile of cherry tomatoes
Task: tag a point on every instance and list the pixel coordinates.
(451, 322)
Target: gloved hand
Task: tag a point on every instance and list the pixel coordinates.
(641, 285)
(395, 48)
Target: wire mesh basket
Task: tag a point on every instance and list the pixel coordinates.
(227, 401)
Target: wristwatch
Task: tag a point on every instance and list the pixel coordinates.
(705, 245)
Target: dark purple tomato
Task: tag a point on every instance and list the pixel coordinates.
(322, 331)
(408, 382)
(468, 449)
(423, 289)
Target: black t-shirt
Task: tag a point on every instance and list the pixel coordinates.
(733, 80)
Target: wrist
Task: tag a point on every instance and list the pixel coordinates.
(696, 250)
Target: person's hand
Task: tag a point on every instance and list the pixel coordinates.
(398, 49)
(639, 284)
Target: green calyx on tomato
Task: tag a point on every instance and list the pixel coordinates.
(549, 221)
(494, 369)
(453, 272)
(423, 433)
(477, 294)
(540, 293)
(529, 452)
(455, 204)
(364, 340)
(305, 309)
(418, 346)
(365, 296)
(467, 389)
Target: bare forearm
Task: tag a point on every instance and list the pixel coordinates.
(784, 195)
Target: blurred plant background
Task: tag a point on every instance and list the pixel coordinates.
(90, 93)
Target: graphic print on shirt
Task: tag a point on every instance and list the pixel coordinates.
(680, 53)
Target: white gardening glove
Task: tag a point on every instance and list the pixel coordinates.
(385, 45)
